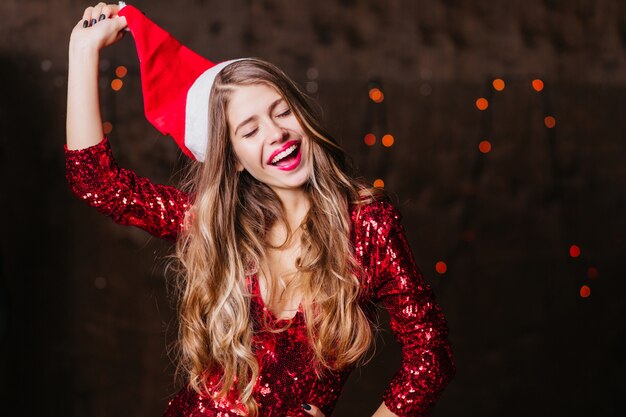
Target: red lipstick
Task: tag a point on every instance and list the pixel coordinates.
(287, 145)
(294, 164)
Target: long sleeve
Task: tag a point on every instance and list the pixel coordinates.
(416, 319)
(121, 194)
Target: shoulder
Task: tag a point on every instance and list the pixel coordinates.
(374, 220)
(376, 211)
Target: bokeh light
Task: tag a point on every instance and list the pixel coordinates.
(498, 84)
(537, 84)
(592, 272)
(426, 89)
(369, 139)
(311, 87)
(549, 121)
(46, 64)
(387, 140)
(585, 291)
(574, 251)
(482, 103)
(484, 146)
(312, 73)
(121, 71)
(379, 183)
(100, 283)
(116, 84)
(441, 267)
(376, 95)
(107, 127)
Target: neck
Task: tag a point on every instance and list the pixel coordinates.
(296, 204)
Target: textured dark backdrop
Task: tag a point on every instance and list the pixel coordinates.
(84, 314)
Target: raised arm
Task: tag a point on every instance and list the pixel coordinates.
(91, 171)
(99, 27)
(416, 319)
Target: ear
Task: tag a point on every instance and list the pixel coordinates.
(239, 167)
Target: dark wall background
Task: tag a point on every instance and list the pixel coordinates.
(84, 316)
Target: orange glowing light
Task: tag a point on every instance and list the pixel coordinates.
(498, 84)
(441, 267)
(574, 251)
(376, 95)
(116, 84)
(549, 121)
(585, 291)
(537, 84)
(379, 183)
(484, 146)
(482, 103)
(592, 272)
(121, 71)
(387, 140)
(369, 139)
(107, 127)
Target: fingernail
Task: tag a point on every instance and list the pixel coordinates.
(93, 22)
(85, 23)
(306, 407)
(102, 16)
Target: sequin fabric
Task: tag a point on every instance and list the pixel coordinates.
(287, 378)
(123, 195)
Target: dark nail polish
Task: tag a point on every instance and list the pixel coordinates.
(101, 17)
(85, 23)
(306, 407)
(93, 22)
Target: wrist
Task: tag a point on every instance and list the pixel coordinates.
(83, 48)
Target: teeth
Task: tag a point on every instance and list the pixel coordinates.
(283, 154)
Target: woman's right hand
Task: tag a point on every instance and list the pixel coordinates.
(99, 27)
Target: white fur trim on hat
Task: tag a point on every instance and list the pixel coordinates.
(197, 110)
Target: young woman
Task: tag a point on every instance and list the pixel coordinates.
(281, 254)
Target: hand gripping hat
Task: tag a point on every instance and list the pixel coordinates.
(176, 83)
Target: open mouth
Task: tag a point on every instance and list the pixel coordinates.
(288, 157)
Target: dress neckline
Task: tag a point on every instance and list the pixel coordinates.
(256, 292)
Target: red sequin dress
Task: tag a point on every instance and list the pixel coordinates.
(286, 379)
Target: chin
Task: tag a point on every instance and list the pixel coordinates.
(293, 183)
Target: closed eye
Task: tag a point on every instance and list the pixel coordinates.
(285, 113)
(247, 135)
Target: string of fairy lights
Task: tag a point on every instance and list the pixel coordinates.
(116, 85)
(375, 115)
(375, 118)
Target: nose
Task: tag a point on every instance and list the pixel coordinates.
(276, 133)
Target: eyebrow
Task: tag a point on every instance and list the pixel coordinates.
(251, 118)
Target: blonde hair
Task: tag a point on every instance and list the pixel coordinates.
(225, 240)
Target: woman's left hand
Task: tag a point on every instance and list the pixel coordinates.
(313, 410)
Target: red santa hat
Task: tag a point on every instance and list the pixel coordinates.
(176, 83)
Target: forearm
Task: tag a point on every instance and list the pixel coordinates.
(416, 319)
(383, 411)
(84, 123)
(99, 27)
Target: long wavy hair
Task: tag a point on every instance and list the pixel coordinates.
(225, 239)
